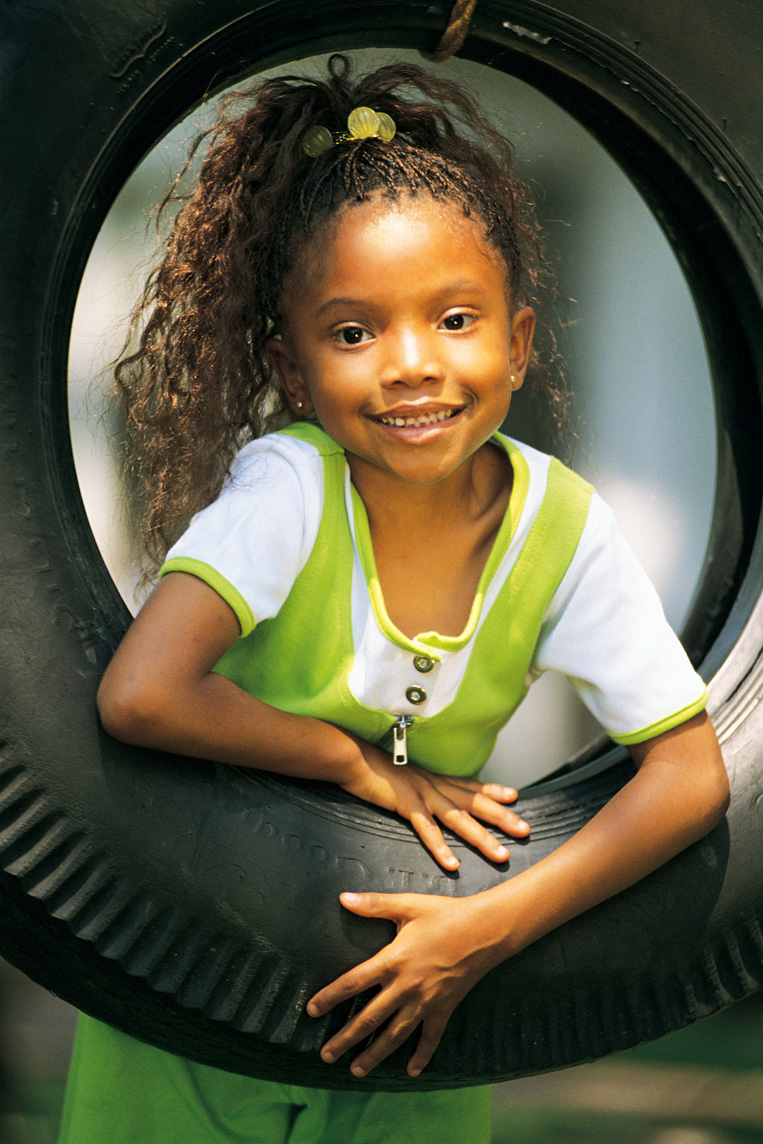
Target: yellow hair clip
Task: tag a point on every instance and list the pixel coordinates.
(316, 140)
(362, 123)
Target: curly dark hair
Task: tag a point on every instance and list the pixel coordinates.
(199, 384)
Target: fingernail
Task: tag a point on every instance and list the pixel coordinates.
(313, 1010)
(327, 1056)
(502, 853)
(350, 899)
(357, 1070)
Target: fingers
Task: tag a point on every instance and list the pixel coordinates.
(484, 801)
(500, 793)
(406, 985)
(458, 804)
(389, 1023)
(370, 1019)
(371, 905)
(389, 1020)
(460, 811)
(431, 1035)
(431, 835)
(397, 1031)
(487, 809)
(367, 974)
(461, 822)
(361, 1027)
(343, 989)
(496, 791)
(465, 826)
(420, 807)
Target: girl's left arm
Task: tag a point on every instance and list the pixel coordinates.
(445, 945)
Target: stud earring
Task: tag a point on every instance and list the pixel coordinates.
(299, 404)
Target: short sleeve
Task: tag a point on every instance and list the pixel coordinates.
(254, 540)
(605, 629)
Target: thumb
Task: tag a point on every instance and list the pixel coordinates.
(374, 905)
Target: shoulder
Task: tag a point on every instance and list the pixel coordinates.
(275, 457)
(524, 457)
(311, 436)
(542, 481)
(604, 577)
(538, 464)
(289, 460)
(253, 541)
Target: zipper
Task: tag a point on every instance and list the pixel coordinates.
(397, 739)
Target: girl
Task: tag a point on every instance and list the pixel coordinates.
(357, 269)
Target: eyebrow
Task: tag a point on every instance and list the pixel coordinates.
(449, 287)
(340, 302)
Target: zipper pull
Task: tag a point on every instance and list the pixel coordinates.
(397, 738)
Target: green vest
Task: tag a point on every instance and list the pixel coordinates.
(300, 660)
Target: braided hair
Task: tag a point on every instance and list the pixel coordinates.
(198, 384)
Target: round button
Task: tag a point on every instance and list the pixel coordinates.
(416, 695)
(423, 663)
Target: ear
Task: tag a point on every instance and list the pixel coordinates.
(284, 363)
(522, 330)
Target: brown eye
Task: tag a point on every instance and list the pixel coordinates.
(351, 335)
(456, 322)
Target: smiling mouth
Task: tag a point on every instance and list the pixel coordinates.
(421, 419)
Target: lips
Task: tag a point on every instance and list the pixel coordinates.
(416, 420)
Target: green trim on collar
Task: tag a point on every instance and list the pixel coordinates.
(431, 640)
(313, 435)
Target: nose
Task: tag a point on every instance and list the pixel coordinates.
(412, 357)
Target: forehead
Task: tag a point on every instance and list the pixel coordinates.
(416, 234)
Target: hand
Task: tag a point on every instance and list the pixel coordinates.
(442, 948)
(423, 797)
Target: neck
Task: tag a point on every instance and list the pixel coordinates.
(431, 541)
(465, 494)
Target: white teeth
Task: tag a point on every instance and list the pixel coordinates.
(425, 419)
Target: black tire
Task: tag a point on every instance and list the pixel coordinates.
(195, 906)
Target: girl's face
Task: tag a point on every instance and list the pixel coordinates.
(398, 335)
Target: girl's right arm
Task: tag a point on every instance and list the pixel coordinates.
(160, 691)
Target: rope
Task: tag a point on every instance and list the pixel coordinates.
(456, 31)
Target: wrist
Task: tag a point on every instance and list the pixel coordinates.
(360, 762)
(486, 939)
(342, 757)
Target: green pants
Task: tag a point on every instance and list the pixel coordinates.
(125, 1092)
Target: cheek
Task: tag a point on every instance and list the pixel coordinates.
(493, 365)
(339, 379)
